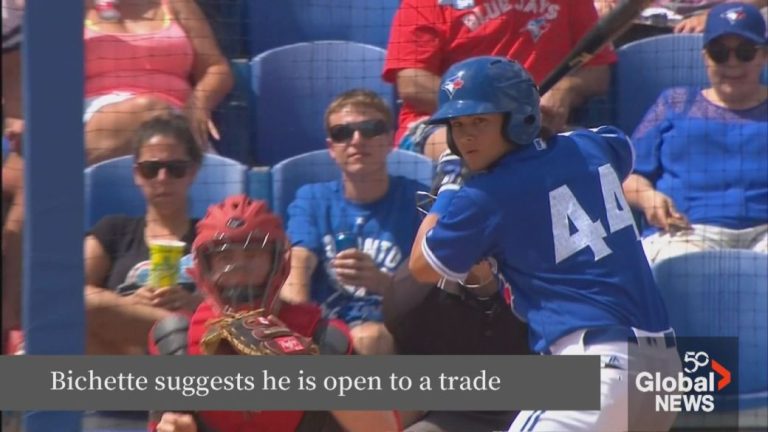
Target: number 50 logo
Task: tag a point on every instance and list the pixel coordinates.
(697, 359)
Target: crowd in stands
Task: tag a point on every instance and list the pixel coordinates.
(154, 74)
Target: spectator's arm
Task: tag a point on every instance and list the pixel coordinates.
(211, 73)
(636, 189)
(583, 84)
(12, 84)
(110, 317)
(418, 88)
(368, 421)
(303, 264)
(605, 6)
(571, 92)
(659, 209)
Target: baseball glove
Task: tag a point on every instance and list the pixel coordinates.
(252, 333)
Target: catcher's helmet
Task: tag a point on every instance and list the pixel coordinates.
(241, 224)
(486, 85)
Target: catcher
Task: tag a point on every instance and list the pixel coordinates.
(242, 258)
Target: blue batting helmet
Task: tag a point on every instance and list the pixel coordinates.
(486, 85)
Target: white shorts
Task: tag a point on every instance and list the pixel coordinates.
(93, 104)
(617, 370)
(662, 245)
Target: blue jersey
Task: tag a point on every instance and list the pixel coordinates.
(384, 229)
(554, 219)
(710, 160)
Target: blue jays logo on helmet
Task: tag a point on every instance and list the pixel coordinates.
(491, 85)
(734, 15)
(452, 84)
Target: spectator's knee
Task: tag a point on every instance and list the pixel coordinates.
(372, 338)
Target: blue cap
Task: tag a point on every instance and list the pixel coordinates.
(737, 19)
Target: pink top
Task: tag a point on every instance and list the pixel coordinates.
(158, 62)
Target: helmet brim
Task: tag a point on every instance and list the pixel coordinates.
(461, 108)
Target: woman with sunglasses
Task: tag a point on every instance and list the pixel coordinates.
(700, 173)
(121, 307)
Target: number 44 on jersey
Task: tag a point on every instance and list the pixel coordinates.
(567, 212)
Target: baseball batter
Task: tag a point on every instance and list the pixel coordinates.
(549, 217)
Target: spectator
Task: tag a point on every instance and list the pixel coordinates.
(121, 307)
(143, 58)
(242, 258)
(428, 36)
(13, 204)
(694, 12)
(700, 174)
(365, 205)
(449, 319)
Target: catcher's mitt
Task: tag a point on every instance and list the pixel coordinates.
(252, 333)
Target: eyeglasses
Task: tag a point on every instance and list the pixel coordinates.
(368, 129)
(720, 53)
(174, 168)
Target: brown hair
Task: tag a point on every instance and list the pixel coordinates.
(173, 126)
(358, 98)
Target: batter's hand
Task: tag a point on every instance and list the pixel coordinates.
(176, 422)
(355, 267)
(660, 211)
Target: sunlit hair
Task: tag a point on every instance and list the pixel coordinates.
(173, 126)
(358, 98)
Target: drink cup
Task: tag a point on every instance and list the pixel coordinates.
(164, 256)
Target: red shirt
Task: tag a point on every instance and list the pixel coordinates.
(300, 318)
(536, 33)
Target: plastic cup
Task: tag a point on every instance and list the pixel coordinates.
(164, 257)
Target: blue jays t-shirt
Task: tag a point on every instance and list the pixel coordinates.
(553, 217)
(384, 230)
(711, 161)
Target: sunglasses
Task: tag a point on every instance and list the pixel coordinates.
(174, 168)
(719, 53)
(368, 129)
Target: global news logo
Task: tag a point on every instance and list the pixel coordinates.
(686, 392)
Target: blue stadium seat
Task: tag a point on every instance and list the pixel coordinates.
(110, 189)
(647, 67)
(6, 147)
(276, 23)
(288, 176)
(723, 293)
(294, 84)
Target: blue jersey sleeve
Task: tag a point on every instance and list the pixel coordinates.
(620, 151)
(463, 235)
(302, 223)
(648, 137)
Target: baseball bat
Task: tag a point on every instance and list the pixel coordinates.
(606, 30)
